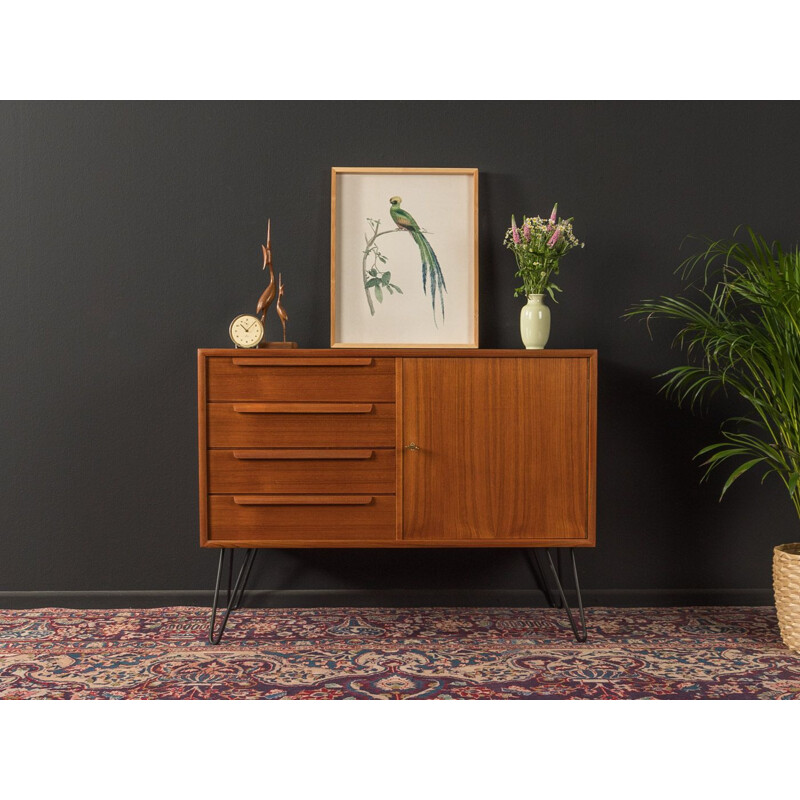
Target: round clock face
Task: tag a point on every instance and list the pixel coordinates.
(246, 330)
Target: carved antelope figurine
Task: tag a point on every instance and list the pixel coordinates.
(268, 295)
(279, 308)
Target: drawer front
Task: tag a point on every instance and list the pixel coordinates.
(312, 425)
(301, 470)
(308, 379)
(305, 518)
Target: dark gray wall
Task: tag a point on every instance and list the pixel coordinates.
(130, 237)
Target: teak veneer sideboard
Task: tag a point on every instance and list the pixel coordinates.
(397, 448)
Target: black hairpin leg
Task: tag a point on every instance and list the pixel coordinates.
(580, 636)
(235, 591)
(538, 574)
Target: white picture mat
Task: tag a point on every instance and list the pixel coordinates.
(443, 205)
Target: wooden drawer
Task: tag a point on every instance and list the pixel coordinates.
(301, 470)
(312, 425)
(308, 379)
(305, 518)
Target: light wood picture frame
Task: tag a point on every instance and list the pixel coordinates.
(404, 257)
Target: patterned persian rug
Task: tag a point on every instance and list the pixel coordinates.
(368, 653)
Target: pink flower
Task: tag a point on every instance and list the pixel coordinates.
(514, 231)
(553, 214)
(526, 230)
(554, 238)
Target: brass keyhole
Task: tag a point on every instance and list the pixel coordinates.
(412, 446)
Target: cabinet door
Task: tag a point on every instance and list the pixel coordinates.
(505, 446)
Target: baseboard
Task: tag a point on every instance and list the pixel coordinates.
(388, 598)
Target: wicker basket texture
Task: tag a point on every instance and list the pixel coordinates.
(786, 581)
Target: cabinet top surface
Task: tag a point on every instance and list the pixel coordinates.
(265, 352)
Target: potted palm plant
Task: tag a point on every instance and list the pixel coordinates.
(739, 318)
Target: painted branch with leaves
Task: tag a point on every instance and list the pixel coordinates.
(376, 280)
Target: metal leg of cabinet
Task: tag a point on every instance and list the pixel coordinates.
(580, 634)
(235, 591)
(540, 578)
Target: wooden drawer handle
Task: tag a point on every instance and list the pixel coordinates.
(302, 362)
(303, 408)
(302, 455)
(302, 499)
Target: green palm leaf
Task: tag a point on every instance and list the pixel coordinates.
(739, 318)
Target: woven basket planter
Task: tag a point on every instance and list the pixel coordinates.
(786, 581)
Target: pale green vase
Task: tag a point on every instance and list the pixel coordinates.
(534, 323)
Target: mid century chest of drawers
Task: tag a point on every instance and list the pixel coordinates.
(397, 448)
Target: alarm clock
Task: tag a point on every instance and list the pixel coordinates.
(246, 331)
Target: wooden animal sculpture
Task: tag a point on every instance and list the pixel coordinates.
(279, 307)
(268, 295)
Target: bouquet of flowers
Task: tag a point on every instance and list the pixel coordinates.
(538, 247)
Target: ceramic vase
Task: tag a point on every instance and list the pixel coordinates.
(534, 323)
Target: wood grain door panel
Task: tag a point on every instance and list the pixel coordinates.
(504, 448)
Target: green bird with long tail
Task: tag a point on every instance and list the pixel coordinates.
(430, 264)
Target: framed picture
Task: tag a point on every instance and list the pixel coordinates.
(404, 257)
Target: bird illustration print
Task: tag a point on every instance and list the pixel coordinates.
(431, 271)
